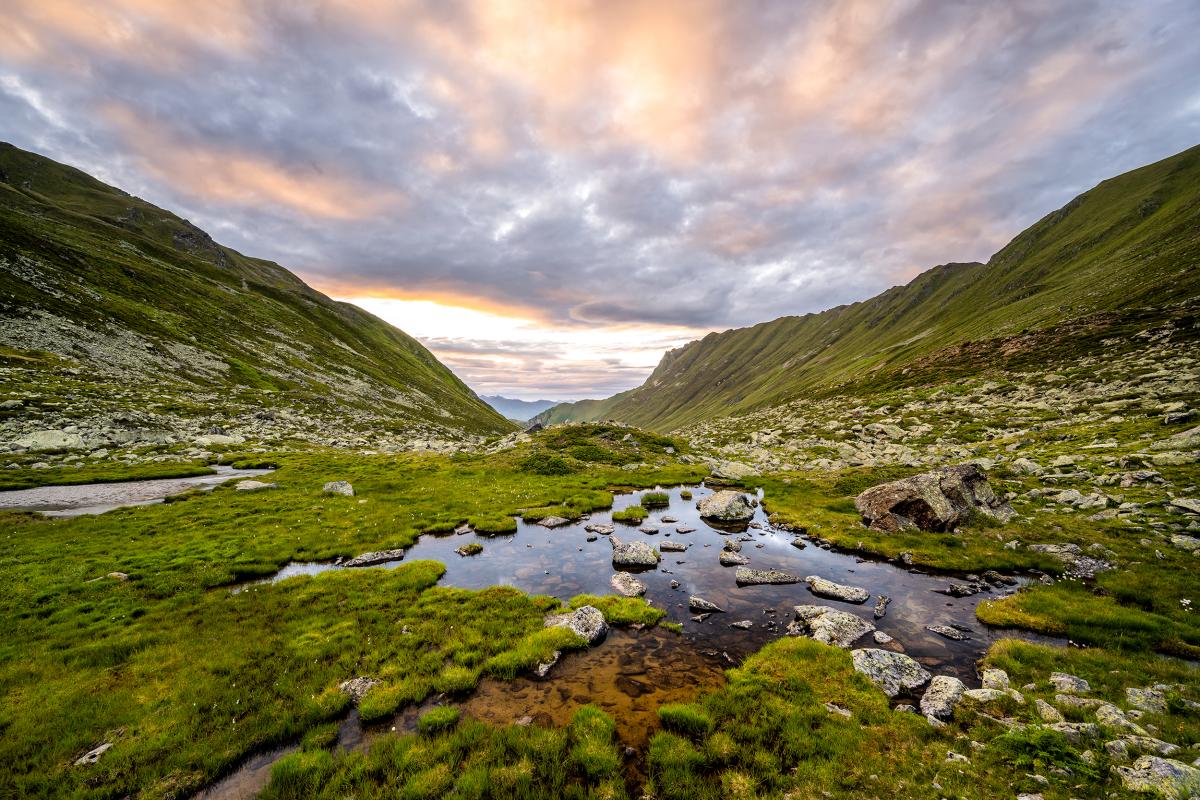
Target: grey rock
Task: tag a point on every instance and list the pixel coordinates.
(633, 554)
(339, 487)
(947, 632)
(893, 672)
(1163, 776)
(700, 605)
(254, 486)
(729, 558)
(668, 546)
(357, 688)
(627, 585)
(726, 506)
(933, 501)
(93, 755)
(733, 471)
(375, 557)
(586, 622)
(826, 588)
(828, 625)
(553, 522)
(1069, 684)
(756, 577)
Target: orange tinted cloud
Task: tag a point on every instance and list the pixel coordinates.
(230, 175)
(152, 33)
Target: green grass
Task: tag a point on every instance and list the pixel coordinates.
(1124, 246)
(465, 760)
(102, 472)
(438, 720)
(84, 661)
(656, 500)
(113, 259)
(632, 514)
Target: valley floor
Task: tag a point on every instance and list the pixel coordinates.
(120, 632)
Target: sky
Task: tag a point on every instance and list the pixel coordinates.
(550, 194)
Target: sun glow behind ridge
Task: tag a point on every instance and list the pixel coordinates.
(526, 358)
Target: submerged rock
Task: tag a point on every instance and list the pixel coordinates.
(755, 577)
(828, 625)
(627, 585)
(633, 554)
(893, 672)
(586, 622)
(826, 588)
(933, 501)
(726, 506)
(948, 632)
(700, 605)
(881, 604)
(339, 487)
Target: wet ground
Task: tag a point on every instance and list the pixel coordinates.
(97, 498)
(562, 562)
(633, 672)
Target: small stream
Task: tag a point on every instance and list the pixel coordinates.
(633, 672)
(98, 498)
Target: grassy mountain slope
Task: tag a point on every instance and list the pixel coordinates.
(517, 409)
(104, 294)
(1133, 242)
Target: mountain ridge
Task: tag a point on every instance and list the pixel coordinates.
(105, 294)
(1129, 242)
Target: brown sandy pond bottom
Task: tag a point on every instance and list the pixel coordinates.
(629, 675)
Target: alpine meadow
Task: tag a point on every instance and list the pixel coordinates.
(314, 532)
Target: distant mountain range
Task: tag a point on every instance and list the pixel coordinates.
(1130, 246)
(109, 305)
(520, 410)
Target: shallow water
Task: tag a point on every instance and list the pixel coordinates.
(561, 562)
(97, 498)
(633, 672)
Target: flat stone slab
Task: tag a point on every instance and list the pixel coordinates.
(375, 557)
(755, 577)
(837, 591)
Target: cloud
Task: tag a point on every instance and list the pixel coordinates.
(687, 164)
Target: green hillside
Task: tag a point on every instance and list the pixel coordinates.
(108, 303)
(1128, 245)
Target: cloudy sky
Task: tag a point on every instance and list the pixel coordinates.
(551, 193)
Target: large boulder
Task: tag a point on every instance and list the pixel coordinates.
(828, 625)
(339, 487)
(51, 440)
(733, 471)
(587, 622)
(932, 501)
(1163, 776)
(893, 672)
(633, 554)
(941, 697)
(726, 506)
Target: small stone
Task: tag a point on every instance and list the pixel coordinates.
(339, 487)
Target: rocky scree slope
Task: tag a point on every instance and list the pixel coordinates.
(121, 321)
(1128, 247)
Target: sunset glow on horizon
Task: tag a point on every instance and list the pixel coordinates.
(551, 193)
